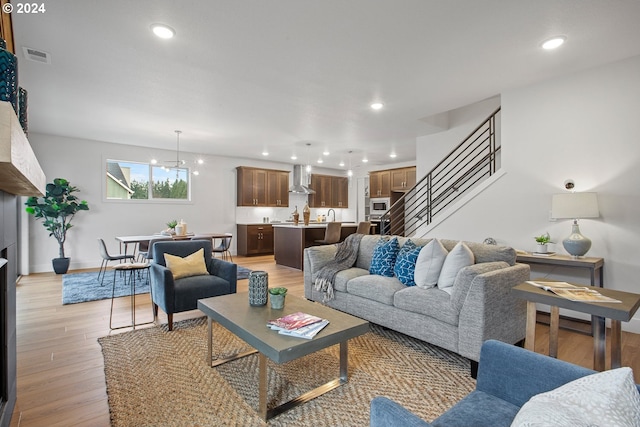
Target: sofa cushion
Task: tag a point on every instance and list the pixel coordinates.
(367, 245)
(384, 257)
(428, 302)
(191, 265)
(341, 279)
(405, 266)
(459, 257)
(604, 399)
(375, 287)
(429, 264)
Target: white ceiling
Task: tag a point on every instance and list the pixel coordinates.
(242, 76)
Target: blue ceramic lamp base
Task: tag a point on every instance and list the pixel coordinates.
(576, 244)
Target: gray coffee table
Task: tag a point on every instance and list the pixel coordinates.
(249, 324)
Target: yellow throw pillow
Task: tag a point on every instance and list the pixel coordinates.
(191, 265)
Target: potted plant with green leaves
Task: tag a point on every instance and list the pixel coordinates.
(56, 209)
(542, 241)
(277, 297)
(171, 226)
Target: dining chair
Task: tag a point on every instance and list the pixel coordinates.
(145, 251)
(364, 227)
(331, 234)
(106, 257)
(223, 247)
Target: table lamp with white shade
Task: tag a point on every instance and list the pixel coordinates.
(575, 206)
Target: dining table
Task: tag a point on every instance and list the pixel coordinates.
(135, 240)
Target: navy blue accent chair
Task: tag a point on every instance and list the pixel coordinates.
(175, 296)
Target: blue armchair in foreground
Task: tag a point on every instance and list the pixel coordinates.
(204, 278)
(508, 376)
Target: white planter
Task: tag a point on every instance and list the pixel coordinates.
(541, 249)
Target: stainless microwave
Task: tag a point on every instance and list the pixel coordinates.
(379, 205)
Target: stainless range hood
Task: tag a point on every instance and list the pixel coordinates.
(298, 174)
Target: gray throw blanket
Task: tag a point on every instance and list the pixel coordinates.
(345, 257)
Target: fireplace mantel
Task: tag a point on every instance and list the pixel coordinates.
(20, 172)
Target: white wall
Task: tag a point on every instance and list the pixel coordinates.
(583, 126)
(213, 207)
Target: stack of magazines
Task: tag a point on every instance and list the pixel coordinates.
(301, 325)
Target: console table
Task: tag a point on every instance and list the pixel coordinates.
(594, 265)
(599, 312)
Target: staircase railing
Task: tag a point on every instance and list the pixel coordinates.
(473, 161)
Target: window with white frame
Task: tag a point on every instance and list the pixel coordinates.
(127, 180)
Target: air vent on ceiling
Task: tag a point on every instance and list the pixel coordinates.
(36, 55)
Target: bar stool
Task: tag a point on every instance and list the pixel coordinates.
(131, 273)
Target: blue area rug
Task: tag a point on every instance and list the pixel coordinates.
(83, 287)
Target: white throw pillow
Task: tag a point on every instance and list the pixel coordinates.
(608, 398)
(459, 257)
(429, 264)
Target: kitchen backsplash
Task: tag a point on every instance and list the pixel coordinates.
(248, 215)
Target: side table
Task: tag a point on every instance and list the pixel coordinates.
(594, 265)
(131, 272)
(599, 312)
(596, 270)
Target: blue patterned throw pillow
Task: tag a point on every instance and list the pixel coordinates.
(384, 257)
(405, 266)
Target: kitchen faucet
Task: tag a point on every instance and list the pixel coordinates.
(334, 214)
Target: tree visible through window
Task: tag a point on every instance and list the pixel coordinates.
(142, 181)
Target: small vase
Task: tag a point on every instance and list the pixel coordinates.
(8, 76)
(23, 108)
(306, 214)
(277, 301)
(258, 286)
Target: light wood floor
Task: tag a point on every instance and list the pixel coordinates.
(60, 366)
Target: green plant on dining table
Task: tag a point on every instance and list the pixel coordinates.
(278, 291)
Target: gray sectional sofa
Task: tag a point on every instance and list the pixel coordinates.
(481, 306)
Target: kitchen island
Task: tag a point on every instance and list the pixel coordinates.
(289, 240)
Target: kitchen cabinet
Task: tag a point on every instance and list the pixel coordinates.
(262, 187)
(339, 192)
(403, 179)
(380, 184)
(330, 191)
(277, 188)
(255, 239)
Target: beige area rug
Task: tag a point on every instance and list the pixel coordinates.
(160, 378)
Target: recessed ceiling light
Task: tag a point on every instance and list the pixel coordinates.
(365, 160)
(392, 155)
(154, 161)
(196, 173)
(265, 153)
(163, 31)
(200, 161)
(377, 105)
(320, 160)
(325, 153)
(553, 42)
(294, 157)
(341, 164)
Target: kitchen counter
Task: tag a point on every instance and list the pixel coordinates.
(290, 240)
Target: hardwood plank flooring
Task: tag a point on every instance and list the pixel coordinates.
(60, 365)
